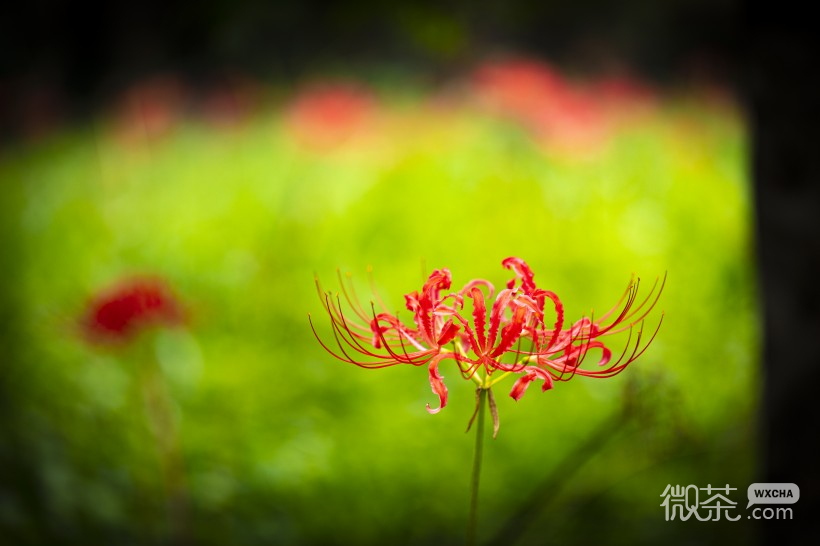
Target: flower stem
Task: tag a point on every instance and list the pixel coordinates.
(160, 419)
(479, 448)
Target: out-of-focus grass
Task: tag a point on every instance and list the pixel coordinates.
(283, 444)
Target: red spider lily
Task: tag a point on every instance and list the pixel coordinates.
(539, 98)
(518, 88)
(325, 116)
(566, 115)
(122, 312)
(517, 326)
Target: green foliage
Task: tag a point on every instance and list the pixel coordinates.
(281, 443)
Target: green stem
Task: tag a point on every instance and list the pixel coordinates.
(479, 448)
(160, 417)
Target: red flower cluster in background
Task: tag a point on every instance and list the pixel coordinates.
(518, 328)
(150, 109)
(518, 88)
(122, 312)
(560, 112)
(325, 116)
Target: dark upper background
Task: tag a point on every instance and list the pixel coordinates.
(67, 58)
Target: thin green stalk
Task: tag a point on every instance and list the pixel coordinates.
(479, 448)
(158, 409)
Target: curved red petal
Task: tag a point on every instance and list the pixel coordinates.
(440, 279)
(476, 283)
(511, 332)
(547, 380)
(479, 317)
(501, 302)
(411, 301)
(522, 271)
(448, 333)
(559, 319)
(437, 384)
(533, 373)
(521, 385)
(606, 356)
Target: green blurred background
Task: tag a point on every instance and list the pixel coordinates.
(280, 443)
(236, 153)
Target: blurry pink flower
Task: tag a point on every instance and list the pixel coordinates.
(536, 96)
(517, 328)
(122, 312)
(149, 109)
(326, 116)
(517, 88)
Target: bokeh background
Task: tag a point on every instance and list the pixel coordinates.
(237, 152)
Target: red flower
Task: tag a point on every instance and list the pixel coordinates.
(123, 311)
(538, 97)
(517, 326)
(566, 115)
(325, 116)
(518, 88)
(150, 109)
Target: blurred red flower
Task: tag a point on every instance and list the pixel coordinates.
(325, 116)
(517, 328)
(518, 88)
(149, 109)
(562, 114)
(122, 312)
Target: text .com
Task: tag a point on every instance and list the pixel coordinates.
(771, 513)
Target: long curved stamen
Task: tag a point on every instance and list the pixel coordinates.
(345, 358)
(350, 295)
(643, 303)
(374, 290)
(618, 304)
(393, 354)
